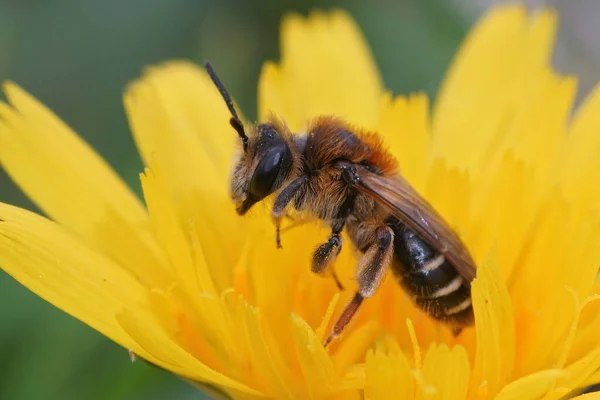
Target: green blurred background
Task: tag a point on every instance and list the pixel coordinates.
(77, 55)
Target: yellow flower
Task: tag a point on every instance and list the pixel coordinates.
(188, 285)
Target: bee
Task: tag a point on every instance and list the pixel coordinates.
(344, 177)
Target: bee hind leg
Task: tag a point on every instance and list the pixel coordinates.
(345, 318)
(371, 271)
(373, 265)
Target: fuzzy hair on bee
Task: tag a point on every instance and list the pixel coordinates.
(344, 176)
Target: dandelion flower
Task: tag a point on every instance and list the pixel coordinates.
(186, 284)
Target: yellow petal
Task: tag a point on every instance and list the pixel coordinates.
(502, 217)
(169, 355)
(348, 395)
(446, 372)
(494, 324)
(388, 376)
(173, 238)
(579, 164)
(355, 345)
(589, 325)
(588, 396)
(537, 132)
(592, 380)
(75, 187)
(194, 108)
(280, 280)
(181, 123)
(547, 313)
(404, 126)
(492, 75)
(64, 271)
(533, 386)
(326, 68)
(273, 273)
(198, 314)
(264, 351)
(576, 374)
(443, 181)
(192, 328)
(317, 367)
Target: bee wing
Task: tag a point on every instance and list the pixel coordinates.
(402, 201)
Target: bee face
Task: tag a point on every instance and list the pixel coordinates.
(261, 169)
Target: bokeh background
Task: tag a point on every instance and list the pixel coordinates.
(77, 56)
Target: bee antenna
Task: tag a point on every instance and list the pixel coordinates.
(235, 121)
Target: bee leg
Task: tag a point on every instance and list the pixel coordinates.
(278, 234)
(282, 201)
(277, 222)
(373, 265)
(371, 270)
(345, 318)
(325, 255)
(337, 280)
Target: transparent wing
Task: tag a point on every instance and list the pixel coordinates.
(418, 215)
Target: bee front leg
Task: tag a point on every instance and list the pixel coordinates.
(371, 271)
(282, 201)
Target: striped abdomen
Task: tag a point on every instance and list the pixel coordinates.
(433, 283)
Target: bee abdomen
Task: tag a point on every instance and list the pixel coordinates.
(450, 302)
(430, 279)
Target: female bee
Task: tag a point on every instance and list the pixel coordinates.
(345, 178)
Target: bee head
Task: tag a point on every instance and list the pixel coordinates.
(264, 163)
(261, 169)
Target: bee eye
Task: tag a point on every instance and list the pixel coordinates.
(266, 172)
